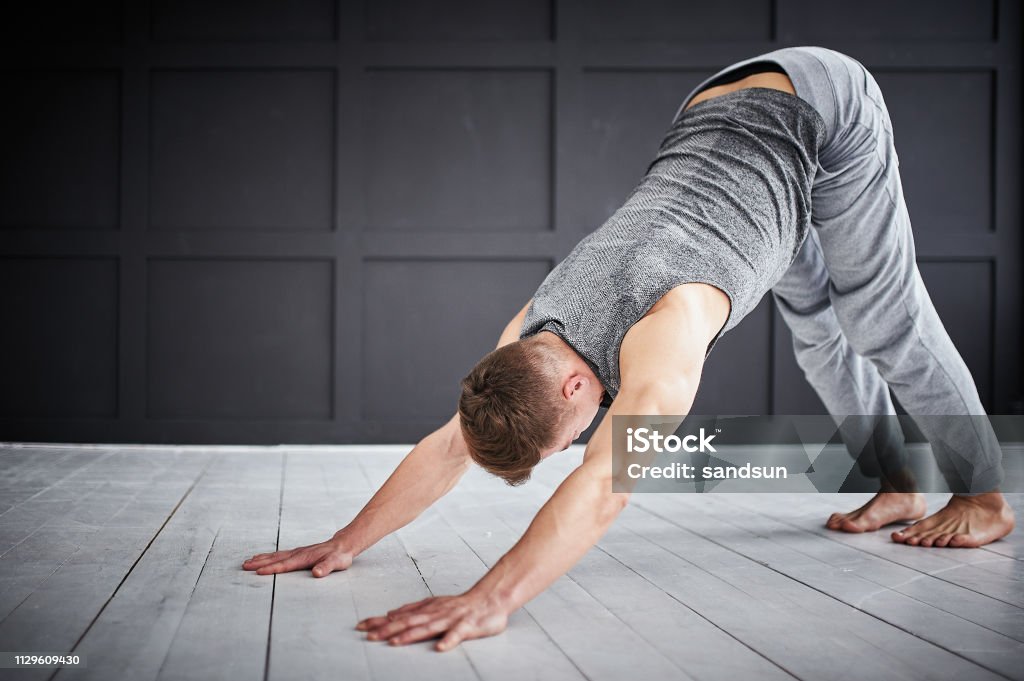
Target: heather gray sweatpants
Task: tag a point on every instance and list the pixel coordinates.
(861, 318)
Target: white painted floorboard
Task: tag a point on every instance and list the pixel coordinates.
(132, 557)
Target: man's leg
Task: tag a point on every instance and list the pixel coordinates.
(847, 385)
(885, 312)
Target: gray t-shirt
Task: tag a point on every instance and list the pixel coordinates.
(726, 201)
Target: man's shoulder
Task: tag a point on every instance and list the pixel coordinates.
(674, 334)
(688, 295)
(696, 304)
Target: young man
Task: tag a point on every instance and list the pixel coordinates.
(758, 154)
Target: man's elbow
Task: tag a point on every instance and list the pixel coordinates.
(613, 505)
(599, 491)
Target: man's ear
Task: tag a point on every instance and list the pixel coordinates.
(574, 384)
(579, 382)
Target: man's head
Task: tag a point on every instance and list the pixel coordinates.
(525, 401)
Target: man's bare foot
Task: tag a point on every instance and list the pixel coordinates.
(884, 508)
(965, 522)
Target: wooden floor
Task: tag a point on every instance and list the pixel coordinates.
(131, 556)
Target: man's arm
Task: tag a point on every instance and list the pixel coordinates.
(583, 506)
(566, 527)
(579, 512)
(428, 472)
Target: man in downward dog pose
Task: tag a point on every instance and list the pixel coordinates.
(778, 173)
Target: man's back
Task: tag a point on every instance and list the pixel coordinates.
(726, 202)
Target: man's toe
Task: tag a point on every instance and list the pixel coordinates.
(962, 541)
(849, 525)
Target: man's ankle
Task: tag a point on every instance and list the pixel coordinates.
(899, 482)
(993, 500)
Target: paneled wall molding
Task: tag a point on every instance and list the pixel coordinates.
(305, 221)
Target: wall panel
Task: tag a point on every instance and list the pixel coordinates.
(271, 222)
(427, 322)
(239, 339)
(58, 350)
(59, 131)
(241, 150)
(466, 150)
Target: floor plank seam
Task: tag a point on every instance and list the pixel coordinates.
(611, 612)
(896, 590)
(416, 565)
(41, 582)
(51, 486)
(763, 564)
(993, 548)
(365, 474)
(341, 521)
(398, 537)
(933, 575)
(837, 600)
(355, 610)
(167, 653)
(848, 605)
(525, 608)
(1019, 559)
(739, 585)
(206, 561)
(430, 591)
(142, 553)
(273, 584)
(47, 522)
(695, 612)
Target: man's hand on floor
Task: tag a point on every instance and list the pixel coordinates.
(324, 558)
(454, 618)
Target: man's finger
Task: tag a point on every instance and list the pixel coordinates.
(389, 629)
(323, 568)
(257, 564)
(277, 554)
(296, 562)
(374, 622)
(254, 563)
(261, 557)
(418, 633)
(455, 636)
(258, 556)
(411, 606)
(371, 623)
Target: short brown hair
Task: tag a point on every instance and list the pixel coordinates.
(510, 408)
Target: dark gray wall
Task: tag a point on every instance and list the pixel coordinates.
(304, 221)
